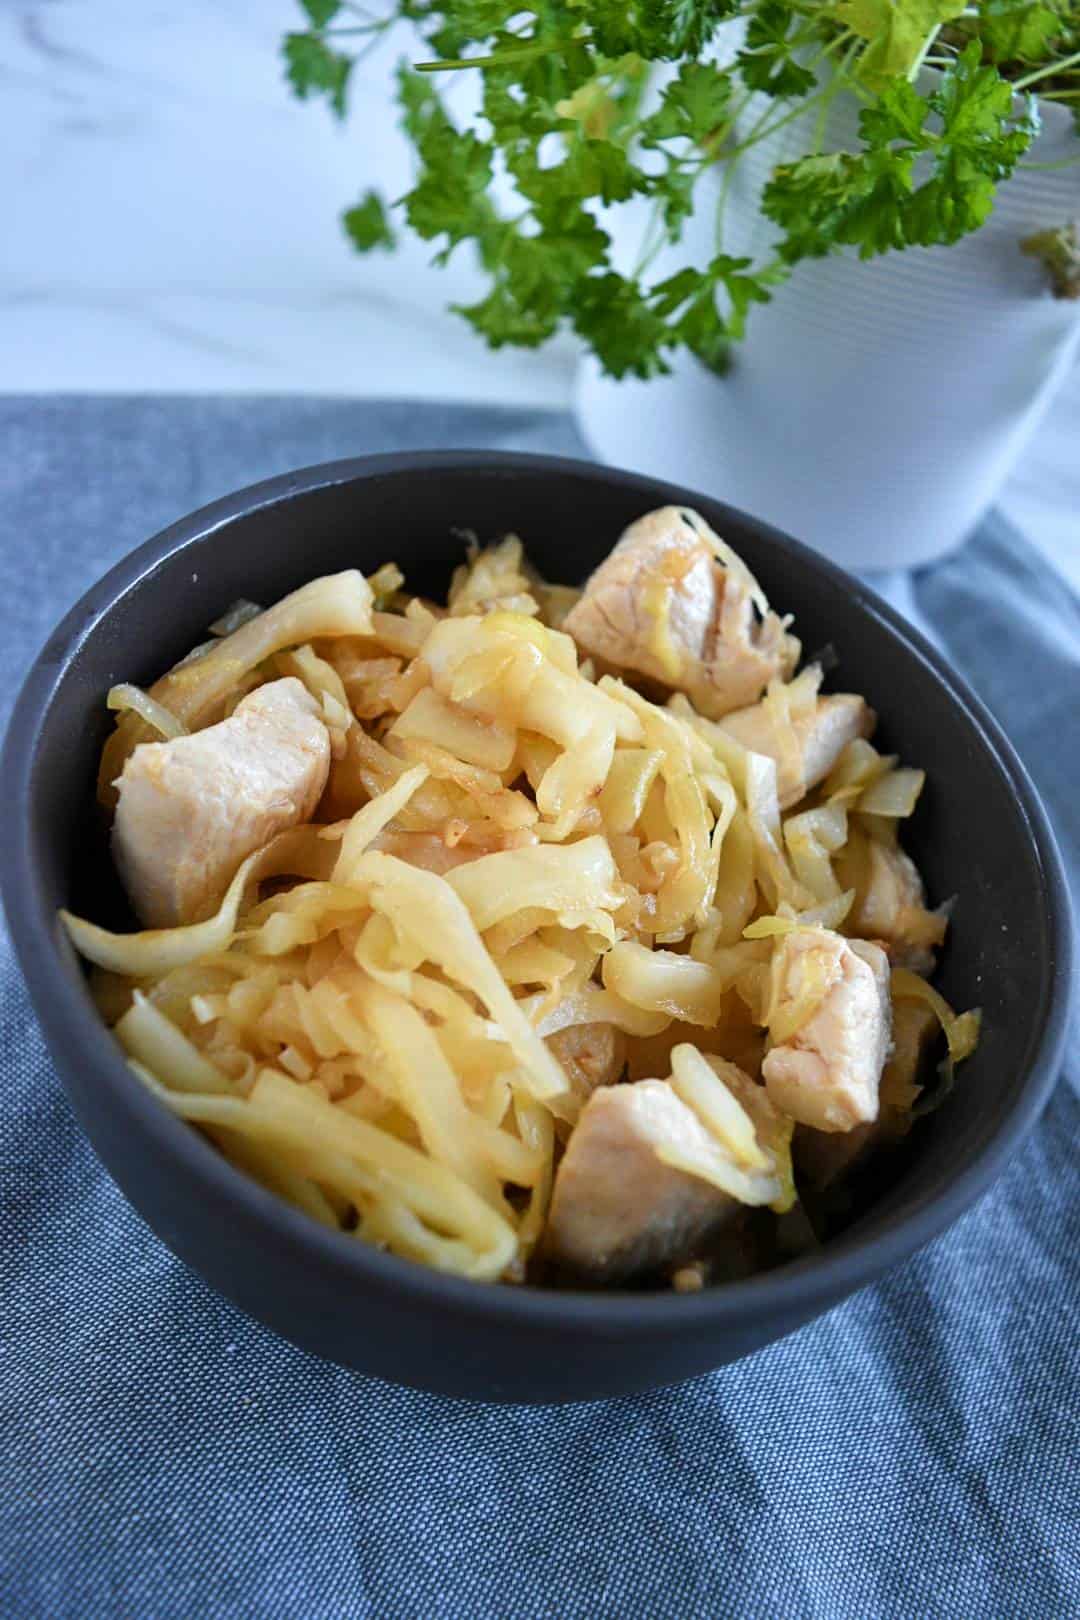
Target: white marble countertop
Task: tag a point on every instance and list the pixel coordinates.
(172, 218)
(171, 224)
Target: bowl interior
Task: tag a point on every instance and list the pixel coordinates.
(972, 835)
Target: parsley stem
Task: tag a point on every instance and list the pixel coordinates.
(1050, 70)
(652, 241)
(831, 91)
(712, 149)
(826, 95)
(361, 28)
(845, 40)
(722, 199)
(823, 99)
(361, 11)
(1057, 163)
(924, 50)
(512, 53)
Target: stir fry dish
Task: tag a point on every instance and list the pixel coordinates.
(543, 935)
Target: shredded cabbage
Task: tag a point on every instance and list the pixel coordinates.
(156, 951)
(961, 1030)
(896, 793)
(513, 847)
(132, 699)
(800, 980)
(701, 1087)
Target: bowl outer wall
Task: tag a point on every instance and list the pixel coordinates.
(338, 1297)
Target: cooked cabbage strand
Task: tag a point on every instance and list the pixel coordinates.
(525, 878)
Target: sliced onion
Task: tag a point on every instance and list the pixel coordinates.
(241, 612)
(697, 1084)
(128, 698)
(961, 1030)
(894, 794)
(156, 951)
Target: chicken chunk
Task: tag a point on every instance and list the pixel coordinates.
(664, 606)
(892, 908)
(826, 1071)
(820, 737)
(592, 1055)
(617, 1209)
(190, 810)
(825, 1157)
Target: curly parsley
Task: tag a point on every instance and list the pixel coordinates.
(568, 117)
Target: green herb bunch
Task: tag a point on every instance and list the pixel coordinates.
(925, 171)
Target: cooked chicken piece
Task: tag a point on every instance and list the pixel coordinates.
(892, 908)
(617, 1209)
(664, 606)
(823, 1157)
(592, 1055)
(827, 1070)
(733, 1255)
(190, 810)
(819, 738)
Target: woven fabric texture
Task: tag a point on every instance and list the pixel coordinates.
(913, 1454)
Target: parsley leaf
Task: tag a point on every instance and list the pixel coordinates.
(422, 115)
(659, 30)
(506, 316)
(366, 224)
(766, 62)
(450, 198)
(570, 238)
(980, 144)
(321, 11)
(311, 66)
(536, 277)
(744, 289)
(590, 169)
(828, 201)
(693, 108)
(563, 128)
(612, 314)
(1017, 30)
(674, 192)
(871, 200)
(896, 31)
(693, 296)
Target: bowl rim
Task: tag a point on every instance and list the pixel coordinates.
(797, 1289)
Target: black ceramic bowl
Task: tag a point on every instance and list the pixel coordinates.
(979, 833)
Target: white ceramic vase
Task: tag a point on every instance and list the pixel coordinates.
(875, 407)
